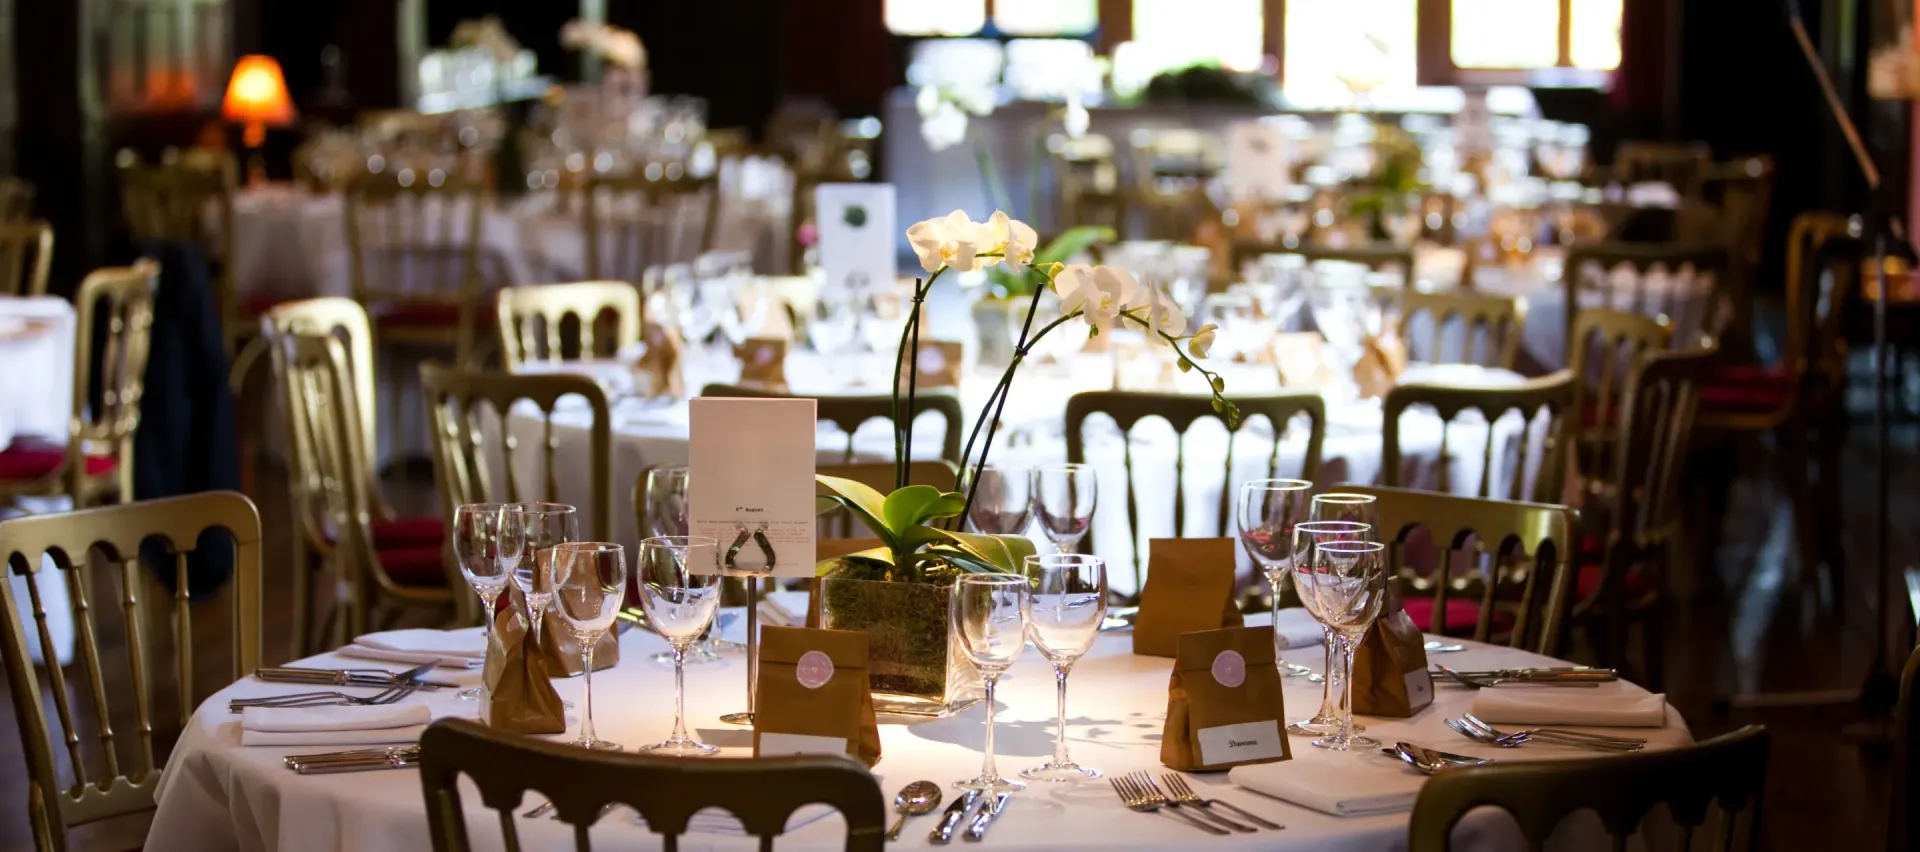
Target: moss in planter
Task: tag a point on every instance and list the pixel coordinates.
(906, 626)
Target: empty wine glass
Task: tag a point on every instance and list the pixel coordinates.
(836, 318)
(487, 542)
(1344, 506)
(1268, 510)
(1307, 537)
(679, 578)
(590, 586)
(1063, 500)
(988, 612)
(1065, 604)
(667, 505)
(1002, 500)
(547, 525)
(1349, 580)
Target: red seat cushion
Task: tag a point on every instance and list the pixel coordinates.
(422, 531)
(414, 566)
(1747, 390)
(1462, 616)
(1588, 583)
(256, 304)
(30, 458)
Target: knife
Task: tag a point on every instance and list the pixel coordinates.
(985, 818)
(942, 834)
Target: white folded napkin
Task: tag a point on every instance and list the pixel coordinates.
(1353, 785)
(1295, 628)
(353, 725)
(1565, 707)
(362, 652)
(784, 609)
(466, 642)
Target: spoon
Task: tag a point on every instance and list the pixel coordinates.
(1433, 760)
(914, 799)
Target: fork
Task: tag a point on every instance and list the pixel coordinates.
(1136, 799)
(1552, 733)
(1484, 682)
(1185, 795)
(1520, 739)
(1153, 793)
(326, 699)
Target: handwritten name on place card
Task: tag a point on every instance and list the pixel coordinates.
(1236, 743)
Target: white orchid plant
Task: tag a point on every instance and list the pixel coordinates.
(1101, 297)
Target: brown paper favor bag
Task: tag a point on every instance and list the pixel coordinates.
(1224, 704)
(661, 364)
(1390, 667)
(1301, 359)
(939, 365)
(1382, 360)
(812, 696)
(565, 655)
(1189, 587)
(520, 696)
(763, 362)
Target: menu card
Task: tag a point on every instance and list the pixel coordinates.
(1257, 163)
(752, 482)
(857, 235)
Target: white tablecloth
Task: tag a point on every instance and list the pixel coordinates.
(36, 368)
(216, 795)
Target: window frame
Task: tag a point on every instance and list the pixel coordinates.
(1433, 49)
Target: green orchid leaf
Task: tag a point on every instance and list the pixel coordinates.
(877, 554)
(963, 560)
(1005, 553)
(914, 505)
(823, 505)
(1073, 241)
(862, 500)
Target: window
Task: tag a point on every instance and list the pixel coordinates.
(1528, 35)
(1336, 46)
(936, 17)
(1177, 33)
(1595, 37)
(1046, 17)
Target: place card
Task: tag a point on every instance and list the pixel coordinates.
(1258, 166)
(939, 363)
(751, 486)
(1301, 359)
(812, 696)
(763, 362)
(1390, 676)
(1189, 587)
(1224, 702)
(857, 234)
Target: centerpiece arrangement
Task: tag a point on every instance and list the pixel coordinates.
(897, 590)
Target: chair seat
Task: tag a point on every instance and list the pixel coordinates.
(1462, 616)
(1739, 389)
(413, 566)
(30, 458)
(421, 531)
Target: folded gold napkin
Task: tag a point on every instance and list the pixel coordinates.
(1544, 706)
(1338, 783)
(392, 723)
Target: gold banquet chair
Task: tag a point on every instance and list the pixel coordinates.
(1551, 393)
(16, 200)
(1181, 411)
(1601, 353)
(188, 198)
(1501, 322)
(419, 265)
(1906, 753)
(97, 459)
(1723, 779)
(328, 456)
(533, 319)
(1592, 268)
(67, 542)
(26, 257)
(1524, 600)
(761, 792)
(849, 413)
(645, 220)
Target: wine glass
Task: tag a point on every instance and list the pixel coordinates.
(836, 318)
(590, 586)
(547, 525)
(487, 542)
(1268, 510)
(989, 616)
(1307, 538)
(1002, 501)
(1066, 602)
(679, 590)
(1063, 499)
(1344, 506)
(1349, 580)
(667, 506)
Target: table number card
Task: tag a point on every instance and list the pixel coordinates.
(751, 489)
(1224, 702)
(856, 233)
(1257, 161)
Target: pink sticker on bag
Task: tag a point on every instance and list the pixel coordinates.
(1230, 669)
(814, 670)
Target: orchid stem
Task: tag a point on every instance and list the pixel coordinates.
(1005, 380)
(899, 362)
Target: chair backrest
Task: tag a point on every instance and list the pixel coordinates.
(460, 403)
(57, 548)
(1500, 320)
(1605, 346)
(1537, 589)
(26, 257)
(647, 220)
(1181, 411)
(1676, 163)
(1727, 774)
(1822, 245)
(761, 792)
(840, 523)
(413, 238)
(120, 299)
(849, 413)
(345, 319)
(330, 474)
(184, 199)
(1552, 393)
(1683, 282)
(16, 199)
(531, 316)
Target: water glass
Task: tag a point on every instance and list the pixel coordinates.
(547, 525)
(1268, 510)
(667, 504)
(1348, 580)
(1063, 500)
(989, 617)
(1002, 500)
(679, 578)
(1307, 538)
(487, 542)
(590, 586)
(1065, 605)
(1344, 506)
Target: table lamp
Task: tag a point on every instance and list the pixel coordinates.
(257, 97)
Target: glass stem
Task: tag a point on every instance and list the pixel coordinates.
(987, 770)
(1060, 741)
(1329, 702)
(679, 695)
(1346, 692)
(587, 734)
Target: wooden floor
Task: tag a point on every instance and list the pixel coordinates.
(1758, 625)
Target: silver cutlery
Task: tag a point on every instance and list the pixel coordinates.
(943, 833)
(1550, 673)
(987, 814)
(1136, 799)
(1177, 785)
(361, 760)
(1520, 739)
(914, 799)
(1483, 683)
(326, 699)
(1153, 792)
(1429, 761)
(1477, 722)
(346, 677)
(1438, 647)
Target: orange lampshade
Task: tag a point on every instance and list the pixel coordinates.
(257, 94)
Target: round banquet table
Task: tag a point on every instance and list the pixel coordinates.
(215, 794)
(648, 434)
(36, 387)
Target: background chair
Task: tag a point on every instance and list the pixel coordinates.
(1906, 755)
(645, 220)
(534, 319)
(67, 542)
(16, 200)
(1524, 600)
(1552, 394)
(419, 268)
(849, 413)
(1500, 320)
(188, 198)
(1376, 257)
(1602, 352)
(1181, 411)
(1725, 776)
(26, 257)
(1677, 164)
(761, 792)
(1690, 306)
